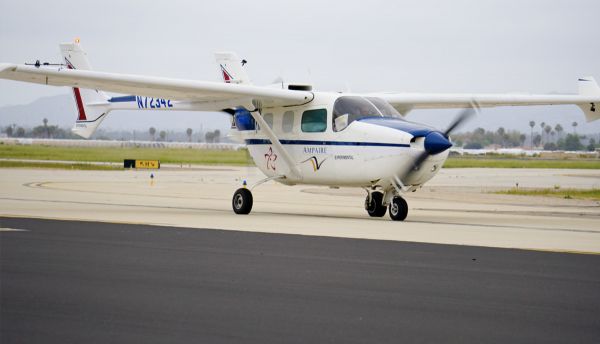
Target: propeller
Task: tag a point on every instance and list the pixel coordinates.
(437, 142)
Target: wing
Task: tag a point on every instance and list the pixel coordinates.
(588, 99)
(219, 94)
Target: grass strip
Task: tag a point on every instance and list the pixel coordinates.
(520, 163)
(242, 158)
(118, 154)
(55, 165)
(590, 194)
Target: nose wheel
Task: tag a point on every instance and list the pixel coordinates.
(374, 204)
(242, 201)
(398, 209)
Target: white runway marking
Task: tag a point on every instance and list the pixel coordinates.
(13, 230)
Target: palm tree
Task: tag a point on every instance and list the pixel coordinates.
(152, 132)
(537, 140)
(547, 129)
(500, 133)
(531, 124)
(45, 120)
(163, 135)
(558, 128)
(189, 132)
(542, 125)
(574, 124)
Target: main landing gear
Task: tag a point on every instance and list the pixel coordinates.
(242, 201)
(374, 204)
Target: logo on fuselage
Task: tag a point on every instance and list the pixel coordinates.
(270, 158)
(315, 150)
(315, 162)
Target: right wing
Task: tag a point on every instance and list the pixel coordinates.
(588, 99)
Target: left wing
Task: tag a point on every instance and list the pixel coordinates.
(588, 99)
(222, 95)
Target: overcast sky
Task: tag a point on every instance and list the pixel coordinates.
(428, 46)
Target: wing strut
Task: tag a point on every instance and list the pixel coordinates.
(275, 141)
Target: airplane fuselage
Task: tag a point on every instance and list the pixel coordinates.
(369, 152)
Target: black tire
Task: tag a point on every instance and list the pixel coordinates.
(398, 209)
(242, 201)
(375, 208)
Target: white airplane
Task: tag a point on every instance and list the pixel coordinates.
(296, 135)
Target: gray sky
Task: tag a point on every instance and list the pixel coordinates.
(429, 46)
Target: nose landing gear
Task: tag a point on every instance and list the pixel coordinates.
(398, 209)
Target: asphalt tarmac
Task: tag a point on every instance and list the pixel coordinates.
(91, 282)
(457, 207)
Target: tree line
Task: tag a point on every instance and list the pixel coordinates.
(548, 138)
(46, 131)
(210, 136)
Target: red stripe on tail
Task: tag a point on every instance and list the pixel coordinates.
(79, 105)
(78, 100)
(226, 76)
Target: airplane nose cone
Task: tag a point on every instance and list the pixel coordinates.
(435, 142)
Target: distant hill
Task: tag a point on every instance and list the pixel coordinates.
(59, 110)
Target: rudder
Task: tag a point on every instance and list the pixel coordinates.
(92, 105)
(232, 68)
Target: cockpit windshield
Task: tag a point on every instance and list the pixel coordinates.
(348, 109)
(386, 109)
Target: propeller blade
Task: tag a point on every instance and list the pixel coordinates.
(414, 166)
(439, 146)
(458, 120)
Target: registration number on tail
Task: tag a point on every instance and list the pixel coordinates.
(153, 103)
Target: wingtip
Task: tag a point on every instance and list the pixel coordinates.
(7, 67)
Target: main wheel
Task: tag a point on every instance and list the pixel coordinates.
(375, 207)
(398, 209)
(242, 201)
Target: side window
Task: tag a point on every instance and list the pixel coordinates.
(287, 125)
(314, 121)
(269, 119)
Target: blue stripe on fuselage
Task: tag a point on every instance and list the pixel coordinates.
(415, 129)
(122, 99)
(325, 143)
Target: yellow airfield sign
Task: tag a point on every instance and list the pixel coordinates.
(151, 164)
(142, 164)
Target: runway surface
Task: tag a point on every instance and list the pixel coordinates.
(456, 207)
(86, 282)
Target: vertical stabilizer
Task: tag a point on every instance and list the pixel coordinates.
(92, 105)
(232, 68)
